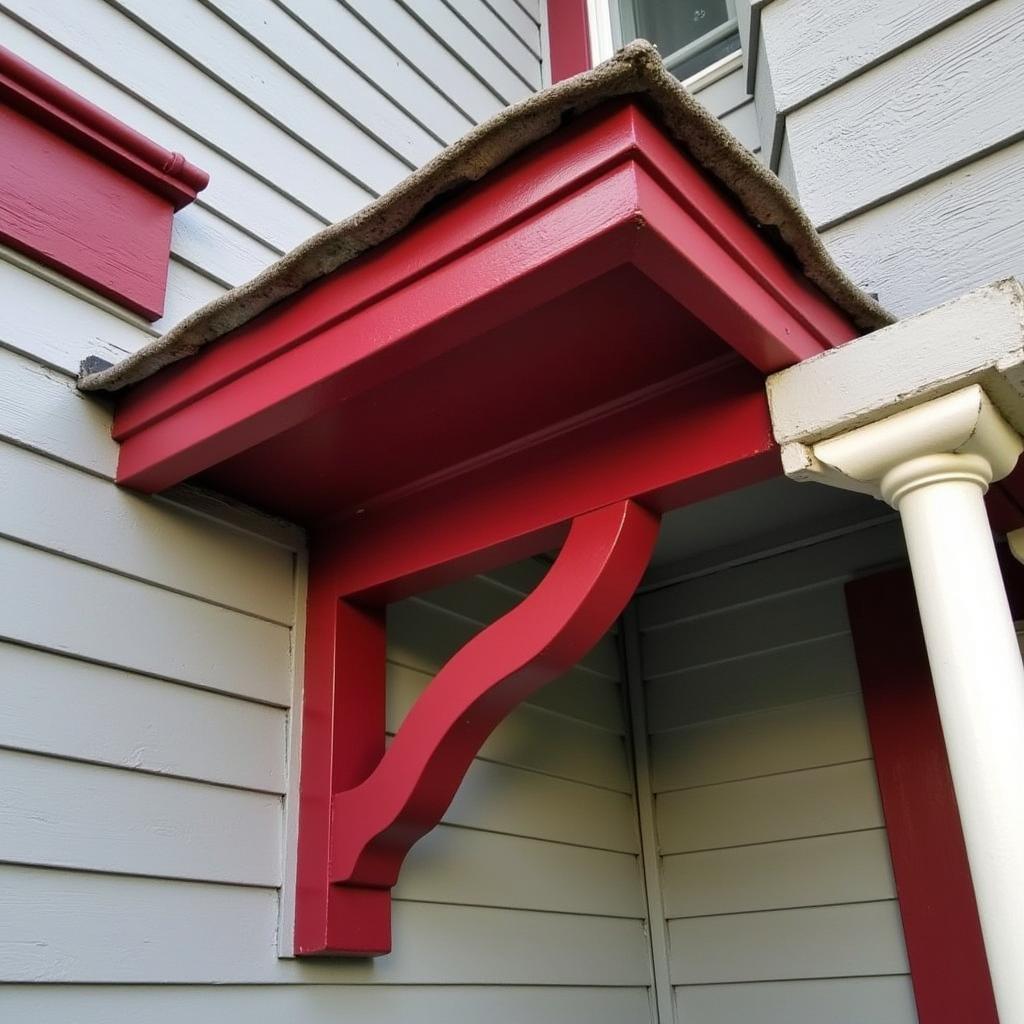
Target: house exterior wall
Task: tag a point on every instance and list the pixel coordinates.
(775, 874)
(898, 125)
(149, 646)
(727, 97)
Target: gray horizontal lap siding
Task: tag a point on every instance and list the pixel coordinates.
(899, 125)
(775, 871)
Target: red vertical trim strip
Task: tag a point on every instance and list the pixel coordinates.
(940, 919)
(568, 38)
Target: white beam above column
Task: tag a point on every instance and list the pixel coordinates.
(975, 339)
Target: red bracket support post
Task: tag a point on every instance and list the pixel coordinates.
(363, 808)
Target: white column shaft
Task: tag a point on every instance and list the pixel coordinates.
(979, 684)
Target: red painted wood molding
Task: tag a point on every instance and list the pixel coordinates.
(568, 38)
(948, 966)
(82, 192)
(374, 823)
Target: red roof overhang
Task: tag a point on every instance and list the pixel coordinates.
(597, 311)
(567, 348)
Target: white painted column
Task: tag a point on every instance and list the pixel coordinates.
(934, 463)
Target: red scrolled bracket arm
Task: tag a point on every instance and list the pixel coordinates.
(374, 823)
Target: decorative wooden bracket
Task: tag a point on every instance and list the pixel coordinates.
(356, 831)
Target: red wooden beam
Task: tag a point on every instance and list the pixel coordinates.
(84, 193)
(379, 810)
(948, 966)
(701, 436)
(568, 38)
(612, 191)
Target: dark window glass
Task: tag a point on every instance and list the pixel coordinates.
(673, 24)
(691, 34)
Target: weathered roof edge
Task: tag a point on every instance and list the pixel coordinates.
(636, 69)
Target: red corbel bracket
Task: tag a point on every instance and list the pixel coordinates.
(381, 803)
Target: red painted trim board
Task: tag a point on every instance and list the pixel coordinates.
(568, 38)
(612, 190)
(936, 896)
(361, 807)
(85, 194)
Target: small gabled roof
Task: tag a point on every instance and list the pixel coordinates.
(636, 71)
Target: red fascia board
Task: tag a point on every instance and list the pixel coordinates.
(510, 196)
(561, 249)
(552, 171)
(583, 205)
(45, 101)
(568, 38)
(685, 207)
(704, 435)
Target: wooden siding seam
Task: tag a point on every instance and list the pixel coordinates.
(177, 499)
(522, 910)
(788, 981)
(356, 70)
(140, 769)
(747, 603)
(550, 712)
(924, 180)
(773, 842)
(211, 144)
(534, 49)
(525, 11)
(274, 889)
(771, 551)
(185, 261)
(79, 291)
(295, 73)
(745, 102)
(493, 89)
(765, 775)
(419, 668)
(490, 46)
(124, 574)
(408, 59)
(243, 519)
(246, 229)
(36, 449)
(145, 673)
(882, 58)
(155, 876)
(752, 714)
(499, 584)
(749, 654)
(879, 829)
(577, 668)
(542, 839)
(781, 910)
(239, 94)
(486, 759)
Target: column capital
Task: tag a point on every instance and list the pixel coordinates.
(959, 436)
